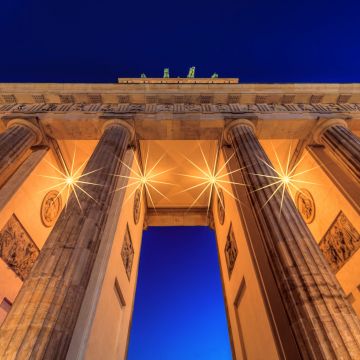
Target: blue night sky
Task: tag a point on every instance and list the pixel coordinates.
(255, 40)
(179, 311)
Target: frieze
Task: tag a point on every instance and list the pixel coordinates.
(17, 249)
(236, 108)
(340, 242)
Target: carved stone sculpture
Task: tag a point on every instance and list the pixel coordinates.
(327, 108)
(340, 242)
(137, 206)
(221, 207)
(127, 252)
(50, 208)
(306, 205)
(231, 250)
(17, 248)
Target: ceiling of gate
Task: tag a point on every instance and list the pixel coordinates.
(174, 169)
(177, 170)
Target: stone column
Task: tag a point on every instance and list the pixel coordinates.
(14, 183)
(342, 143)
(41, 322)
(15, 142)
(324, 324)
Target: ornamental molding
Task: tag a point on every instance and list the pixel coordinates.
(231, 250)
(235, 108)
(220, 207)
(50, 208)
(306, 205)
(127, 252)
(137, 206)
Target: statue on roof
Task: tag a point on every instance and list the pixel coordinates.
(191, 73)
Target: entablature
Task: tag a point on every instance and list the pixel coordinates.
(180, 111)
(175, 93)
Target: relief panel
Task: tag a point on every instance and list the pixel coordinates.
(327, 108)
(50, 208)
(340, 242)
(221, 206)
(17, 249)
(137, 206)
(127, 252)
(306, 205)
(231, 250)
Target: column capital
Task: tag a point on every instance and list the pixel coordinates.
(234, 123)
(119, 122)
(30, 125)
(325, 124)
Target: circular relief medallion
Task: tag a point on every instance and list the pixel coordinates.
(221, 207)
(137, 206)
(50, 208)
(306, 205)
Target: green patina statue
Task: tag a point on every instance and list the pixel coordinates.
(191, 73)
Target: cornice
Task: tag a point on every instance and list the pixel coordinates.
(216, 93)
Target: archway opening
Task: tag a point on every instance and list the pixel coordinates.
(179, 310)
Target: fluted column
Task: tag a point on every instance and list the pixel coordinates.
(21, 174)
(324, 324)
(14, 143)
(342, 143)
(41, 322)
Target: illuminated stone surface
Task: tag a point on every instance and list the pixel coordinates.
(78, 299)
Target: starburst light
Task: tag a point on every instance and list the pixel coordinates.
(144, 179)
(211, 180)
(285, 179)
(70, 180)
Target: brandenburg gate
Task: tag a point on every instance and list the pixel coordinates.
(274, 170)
